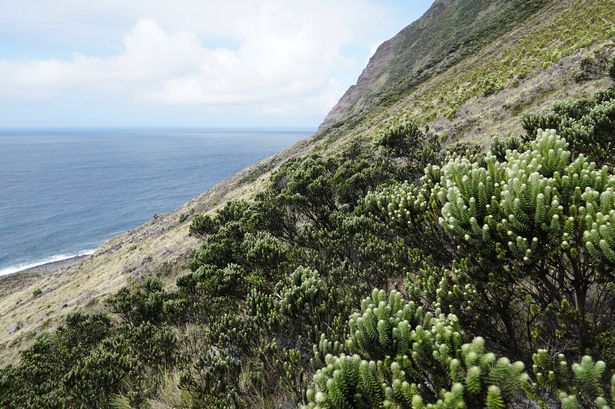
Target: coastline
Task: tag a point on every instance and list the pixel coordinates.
(18, 280)
(47, 268)
(164, 245)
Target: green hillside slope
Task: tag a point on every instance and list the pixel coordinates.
(537, 43)
(448, 32)
(445, 241)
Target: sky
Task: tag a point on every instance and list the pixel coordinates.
(186, 63)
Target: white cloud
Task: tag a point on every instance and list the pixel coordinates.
(277, 57)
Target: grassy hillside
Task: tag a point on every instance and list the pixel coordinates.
(539, 42)
(445, 35)
(297, 241)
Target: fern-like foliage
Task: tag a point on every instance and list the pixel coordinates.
(583, 384)
(398, 356)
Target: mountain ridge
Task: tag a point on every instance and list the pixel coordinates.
(377, 62)
(415, 54)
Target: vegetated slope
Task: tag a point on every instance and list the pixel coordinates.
(548, 47)
(485, 257)
(533, 63)
(161, 246)
(448, 32)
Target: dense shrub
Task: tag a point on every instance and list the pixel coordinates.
(587, 125)
(399, 356)
(541, 219)
(481, 257)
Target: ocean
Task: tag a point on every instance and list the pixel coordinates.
(64, 192)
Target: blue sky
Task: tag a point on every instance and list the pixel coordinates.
(112, 63)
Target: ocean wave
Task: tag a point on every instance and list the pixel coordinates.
(53, 259)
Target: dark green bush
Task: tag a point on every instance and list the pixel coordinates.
(511, 252)
(141, 304)
(587, 125)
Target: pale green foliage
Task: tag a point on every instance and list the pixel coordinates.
(410, 208)
(402, 356)
(389, 327)
(302, 295)
(588, 375)
(299, 299)
(324, 348)
(581, 385)
(398, 356)
(540, 215)
(494, 398)
(517, 199)
(586, 124)
(550, 372)
(537, 197)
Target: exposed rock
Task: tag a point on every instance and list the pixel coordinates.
(14, 328)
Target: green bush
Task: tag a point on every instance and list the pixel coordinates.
(540, 217)
(398, 356)
(587, 125)
(483, 257)
(389, 340)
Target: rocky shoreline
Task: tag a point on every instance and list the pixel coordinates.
(48, 268)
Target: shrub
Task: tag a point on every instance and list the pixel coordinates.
(541, 217)
(400, 356)
(587, 125)
(397, 355)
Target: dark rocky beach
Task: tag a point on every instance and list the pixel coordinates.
(20, 279)
(51, 267)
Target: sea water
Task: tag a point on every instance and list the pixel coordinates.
(64, 192)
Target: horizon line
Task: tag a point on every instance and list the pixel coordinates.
(217, 128)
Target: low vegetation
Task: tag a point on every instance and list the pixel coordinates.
(538, 36)
(576, 27)
(402, 274)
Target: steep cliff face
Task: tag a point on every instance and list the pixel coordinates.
(378, 65)
(449, 31)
